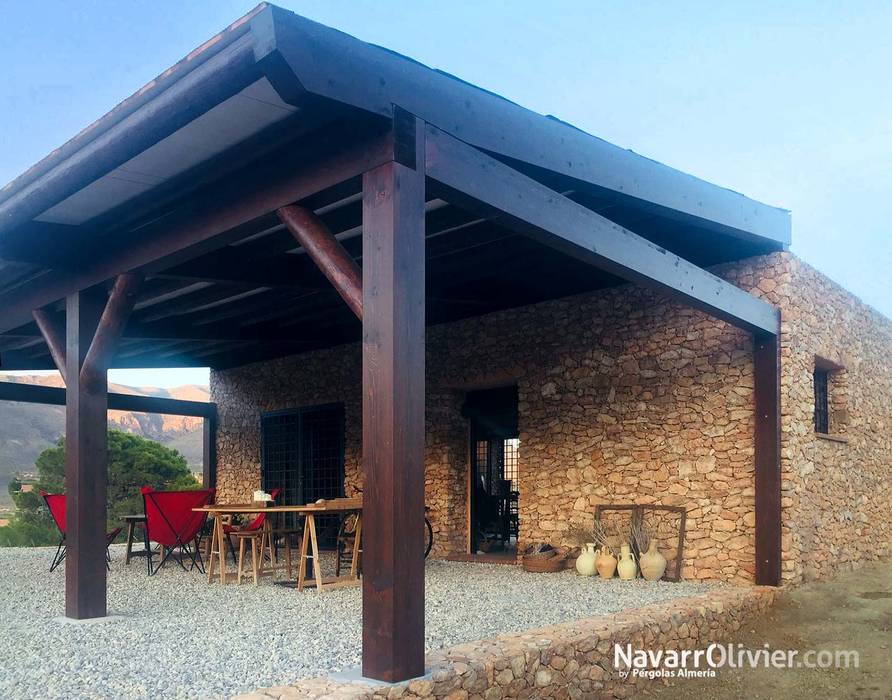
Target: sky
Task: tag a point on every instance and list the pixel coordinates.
(788, 103)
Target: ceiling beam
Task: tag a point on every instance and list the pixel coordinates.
(212, 82)
(55, 396)
(199, 226)
(533, 209)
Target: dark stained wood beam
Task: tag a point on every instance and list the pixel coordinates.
(326, 251)
(110, 329)
(210, 83)
(380, 79)
(86, 464)
(53, 333)
(393, 418)
(55, 396)
(766, 370)
(557, 221)
(200, 227)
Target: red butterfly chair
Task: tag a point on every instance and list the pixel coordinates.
(55, 502)
(171, 522)
(255, 525)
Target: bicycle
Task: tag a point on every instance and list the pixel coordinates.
(346, 533)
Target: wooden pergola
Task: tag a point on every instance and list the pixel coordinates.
(285, 180)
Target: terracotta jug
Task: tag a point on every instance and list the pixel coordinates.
(606, 563)
(627, 567)
(653, 564)
(585, 562)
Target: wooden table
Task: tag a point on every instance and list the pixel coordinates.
(309, 541)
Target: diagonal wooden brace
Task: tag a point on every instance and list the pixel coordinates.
(327, 252)
(53, 332)
(111, 327)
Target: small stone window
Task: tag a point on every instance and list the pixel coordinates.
(822, 401)
(830, 415)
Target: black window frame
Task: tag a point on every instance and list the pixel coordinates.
(821, 379)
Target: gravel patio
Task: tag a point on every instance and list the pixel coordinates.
(179, 637)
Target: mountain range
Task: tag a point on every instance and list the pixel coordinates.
(28, 429)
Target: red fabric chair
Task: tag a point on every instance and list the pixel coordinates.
(55, 502)
(253, 526)
(171, 522)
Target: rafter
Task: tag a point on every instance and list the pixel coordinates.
(556, 221)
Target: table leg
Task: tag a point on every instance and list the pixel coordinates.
(211, 554)
(357, 537)
(317, 566)
(130, 526)
(221, 551)
(302, 564)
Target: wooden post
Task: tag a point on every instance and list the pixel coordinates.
(209, 454)
(85, 464)
(393, 416)
(95, 323)
(766, 368)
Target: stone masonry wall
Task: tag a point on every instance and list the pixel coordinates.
(569, 660)
(626, 397)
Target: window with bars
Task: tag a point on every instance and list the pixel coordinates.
(510, 462)
(822, 401)
(302, 452)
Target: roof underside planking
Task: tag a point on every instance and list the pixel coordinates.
(271, 95)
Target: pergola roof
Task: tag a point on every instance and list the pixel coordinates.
(275, 91)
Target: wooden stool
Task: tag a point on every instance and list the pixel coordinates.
(257, 538)
(132, 521)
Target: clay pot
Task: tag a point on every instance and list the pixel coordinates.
(627, 568)
(606, 563)
(653, 564)
(585, 562)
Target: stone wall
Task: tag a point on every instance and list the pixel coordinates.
(569, 660)
(627, 397)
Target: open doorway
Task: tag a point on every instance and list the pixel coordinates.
(494, 471)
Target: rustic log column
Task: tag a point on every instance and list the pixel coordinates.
(393, 416)
(766, 369)
(85, 464)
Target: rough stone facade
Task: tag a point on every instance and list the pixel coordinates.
(570, 660)
(627, 397)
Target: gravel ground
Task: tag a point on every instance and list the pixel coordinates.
(179, 637)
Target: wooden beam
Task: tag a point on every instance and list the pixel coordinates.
(556, 221)
(55, 396)
(86, 467)
(206, 86)
(111, 328)
(393, 420)
(327, 252)
(766, 370)
(199, 227)
(53, 333)
(334, 65)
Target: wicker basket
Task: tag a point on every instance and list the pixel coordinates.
(546, 562)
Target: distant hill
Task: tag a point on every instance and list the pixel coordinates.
(28, 429)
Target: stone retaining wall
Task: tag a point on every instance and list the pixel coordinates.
(569, 660)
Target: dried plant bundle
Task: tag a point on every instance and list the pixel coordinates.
(580, 535)
(641, 534)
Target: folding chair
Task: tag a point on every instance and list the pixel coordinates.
(55, 502)
(171, 522)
